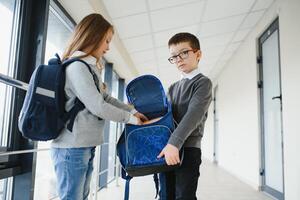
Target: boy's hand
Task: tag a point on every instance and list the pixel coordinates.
(171, 154)
(141, 116)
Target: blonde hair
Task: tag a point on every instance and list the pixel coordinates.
(87, 36)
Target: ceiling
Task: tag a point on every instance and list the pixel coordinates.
(145, 26)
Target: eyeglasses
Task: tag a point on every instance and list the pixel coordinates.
(182, 55)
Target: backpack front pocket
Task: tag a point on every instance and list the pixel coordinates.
(144, 145)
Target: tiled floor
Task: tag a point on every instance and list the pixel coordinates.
(214, 184)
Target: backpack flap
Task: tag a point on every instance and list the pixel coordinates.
(147, 95)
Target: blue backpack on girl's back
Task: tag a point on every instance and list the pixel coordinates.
(43, 114)
(139, 145)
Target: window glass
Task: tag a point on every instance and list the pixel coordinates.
(113, 132)
(5, 188)
(7, 9)
(8, 29)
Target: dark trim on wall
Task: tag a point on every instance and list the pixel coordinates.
(121, 89)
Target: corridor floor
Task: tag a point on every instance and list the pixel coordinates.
(214, 184)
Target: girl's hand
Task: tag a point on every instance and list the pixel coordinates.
(139, 121)
(141, 116)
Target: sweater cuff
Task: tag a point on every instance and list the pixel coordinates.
(133, 111)
(132, 120)
(176, 141)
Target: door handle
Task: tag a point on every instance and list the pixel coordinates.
(277, 97)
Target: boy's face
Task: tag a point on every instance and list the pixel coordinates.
(185, 58)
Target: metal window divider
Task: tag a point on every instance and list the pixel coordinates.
(96, 171)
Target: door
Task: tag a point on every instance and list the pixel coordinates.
(271, 112)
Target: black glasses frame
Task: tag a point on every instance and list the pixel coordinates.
(182, 55)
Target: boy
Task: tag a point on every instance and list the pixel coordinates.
(190, 98)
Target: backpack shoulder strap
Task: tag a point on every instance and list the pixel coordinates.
(128, 179)
(95, 77)
(155, 179)
(78, 105)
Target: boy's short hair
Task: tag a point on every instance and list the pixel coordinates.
(185, 37)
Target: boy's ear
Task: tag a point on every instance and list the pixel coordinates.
(199, 55)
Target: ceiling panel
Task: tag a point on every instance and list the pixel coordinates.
(138, 43)
(176, 17)
(262, 4)
(219, 40)
(143, 56)
(113, 7)
(158, 4)
(163, 52)
(218, 9)
(226, 56)
(240, 35)
(252, 19)
(213, 51)
(164, 62)
(131, 26)
(145, 26)
(162, 38)
(233, 46)
(221, 26)
(147, 65)
(208, 61)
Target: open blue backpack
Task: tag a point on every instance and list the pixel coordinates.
(43, 114)
(139, 145)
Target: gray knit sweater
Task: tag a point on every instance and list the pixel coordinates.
(87, 129)
(190, 101)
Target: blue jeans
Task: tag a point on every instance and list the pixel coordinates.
(73, 169)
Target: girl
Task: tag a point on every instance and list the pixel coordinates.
(73, 152)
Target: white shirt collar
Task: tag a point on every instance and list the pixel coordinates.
(89, 59)
(191, 74)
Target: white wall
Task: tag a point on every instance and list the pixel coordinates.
(238, 104)
(207, 145)
(290, 69)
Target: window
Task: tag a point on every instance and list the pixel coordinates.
(58, 33)
(113, 132)
(7, 9)
(5, 189)
(7, 41)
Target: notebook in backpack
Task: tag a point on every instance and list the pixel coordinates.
(139, 145)
(43, 114)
